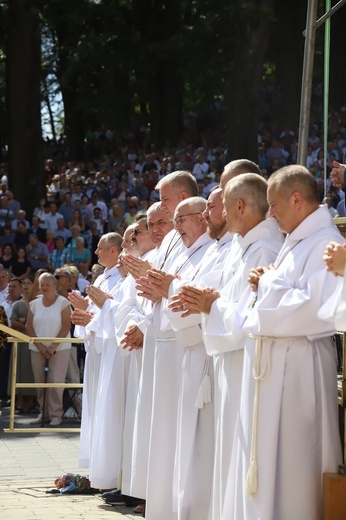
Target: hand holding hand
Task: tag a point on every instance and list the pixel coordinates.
(161, 281)
(197, 300)
(254, 277)
(132, 339)
(97, 295)
(81, 317)
(136, 266)
(147, 290)
(335, 258)
(77, 301)
(337, 174)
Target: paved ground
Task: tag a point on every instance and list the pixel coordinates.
(29, 464)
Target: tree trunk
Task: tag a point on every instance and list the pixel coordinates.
(337, 95)
(160, 24)
(290, 42)
(166, 105)
(23, 64)
(74, 119)
(74, 123)
(244, 95)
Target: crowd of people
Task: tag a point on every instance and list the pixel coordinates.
(201, 292)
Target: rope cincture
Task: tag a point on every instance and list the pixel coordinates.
(259, 375)
(122, 420)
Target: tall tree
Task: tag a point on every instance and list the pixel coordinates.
(159, 26)
(24, 103)
(254, 20)
(288, 44)
(337, 59)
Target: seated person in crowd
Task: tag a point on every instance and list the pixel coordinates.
(60, 255)
(37, 253)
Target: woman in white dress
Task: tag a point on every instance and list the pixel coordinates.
(49, 316)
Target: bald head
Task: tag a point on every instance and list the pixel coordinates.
(193, 204)
(189, 220)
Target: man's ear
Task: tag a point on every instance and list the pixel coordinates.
(240, 205)
(297, 199)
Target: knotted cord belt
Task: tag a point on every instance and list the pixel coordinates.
(259, 375)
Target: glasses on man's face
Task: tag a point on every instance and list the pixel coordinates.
(180, 218)
(58, 276)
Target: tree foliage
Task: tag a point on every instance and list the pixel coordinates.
(121, 63)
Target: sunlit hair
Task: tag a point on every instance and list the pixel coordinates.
(182, 181)
(113, 239)
(295, 178)
(194, 204)
(154, 207)
(46, 276)
(251, 188)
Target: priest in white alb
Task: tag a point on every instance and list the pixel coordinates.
(288, 429)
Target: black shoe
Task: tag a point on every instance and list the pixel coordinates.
(115, 498)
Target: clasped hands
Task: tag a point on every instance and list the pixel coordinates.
(337, 174)
(155, 285)
(97, 295)
(255, 275)
(80, 316)
(46, 352)
(132, 338)
(135, 266)
(335, 258)
(193, 300)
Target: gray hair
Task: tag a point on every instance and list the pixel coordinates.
(237, 167)
(46, 276)
(292, 178)
(154, 207)
(113, 239)
(250, 187)
(180, 180)
(80, 239)
(194, 204)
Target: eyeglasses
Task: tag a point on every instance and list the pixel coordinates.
(58, 276)
(179, 219)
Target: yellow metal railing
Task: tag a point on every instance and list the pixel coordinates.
(18, 337)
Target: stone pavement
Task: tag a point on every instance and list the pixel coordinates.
(29, 464)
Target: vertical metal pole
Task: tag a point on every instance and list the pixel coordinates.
(326, 92)
(308, 64)
(13, 383)
(46, 370)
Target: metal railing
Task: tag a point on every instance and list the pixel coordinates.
(16, 337)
